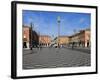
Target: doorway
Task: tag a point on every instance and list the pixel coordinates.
(24, 45)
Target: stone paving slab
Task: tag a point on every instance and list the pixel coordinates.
(54, 57)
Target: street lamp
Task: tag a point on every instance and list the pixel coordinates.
(58, 20)
(31, 36)
(39, 38)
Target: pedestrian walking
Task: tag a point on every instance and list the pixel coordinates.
(73, 45)
(31, 47)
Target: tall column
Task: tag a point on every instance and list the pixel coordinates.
(58, 20)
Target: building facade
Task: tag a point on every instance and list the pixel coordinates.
(30, 37)
(63, 40)
(26, 37)
(80, 39)
(44, 40)
(35, 39)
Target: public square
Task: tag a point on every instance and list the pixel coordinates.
(56, 39)
(56, 57)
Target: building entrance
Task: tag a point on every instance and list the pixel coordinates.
(24, 45)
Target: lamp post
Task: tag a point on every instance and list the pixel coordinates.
(58, 21)
(31, 37)
(39, 40)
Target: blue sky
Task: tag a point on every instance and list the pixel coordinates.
(45, 22)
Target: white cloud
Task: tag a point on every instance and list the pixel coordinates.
(81, 20)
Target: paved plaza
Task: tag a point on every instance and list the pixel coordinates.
(55, 57)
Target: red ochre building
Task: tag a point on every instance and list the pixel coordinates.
(30, 37)
(44, 40)
(62, 40)
(81, 39)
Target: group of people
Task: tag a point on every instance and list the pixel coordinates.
(37, 46)
(73, 45)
